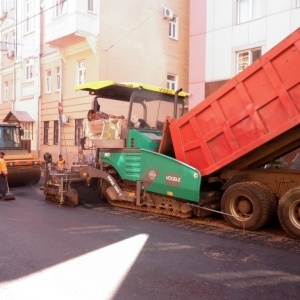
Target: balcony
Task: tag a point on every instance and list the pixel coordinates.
(71, 28)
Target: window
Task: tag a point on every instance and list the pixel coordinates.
(8, 5)
(91, 5)
(246, 58)
(6, 91)
(173, 28)
(29, 15)
(55, 133)
(60, 7)
(5, 6)
(58, 79)
(46, 133)
(29, 69)
(81, 72)
(48, 81)
(78, 131)
(248, 10)
(27, 132)
(172, 82)
(298, 3)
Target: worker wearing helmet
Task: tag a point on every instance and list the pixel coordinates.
(3, 175)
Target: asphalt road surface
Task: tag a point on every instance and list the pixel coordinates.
(53, 252)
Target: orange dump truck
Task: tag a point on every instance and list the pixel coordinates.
(237, 131)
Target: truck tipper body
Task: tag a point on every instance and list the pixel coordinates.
(212, 159)
(250, 120)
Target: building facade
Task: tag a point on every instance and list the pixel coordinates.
(59, 44)
(226, 36)
(20, 68)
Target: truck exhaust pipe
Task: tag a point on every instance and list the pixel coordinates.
(176, 103)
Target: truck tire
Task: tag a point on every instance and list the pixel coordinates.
(248, 205)
(289, 212)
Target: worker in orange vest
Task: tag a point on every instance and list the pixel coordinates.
(3, 176)
(60, 163)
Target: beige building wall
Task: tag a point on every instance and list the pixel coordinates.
(131, 44)
(134, 42)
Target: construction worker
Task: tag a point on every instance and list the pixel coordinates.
(60, 163)
(93, 115)
(3, 175)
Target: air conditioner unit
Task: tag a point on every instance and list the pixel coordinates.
(65, 119)
(167, 13)
(10, 53)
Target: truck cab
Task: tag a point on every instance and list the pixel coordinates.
(10, 137)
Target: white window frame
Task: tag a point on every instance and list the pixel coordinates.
(81, 67)
(58, 79)
(245, 58)
(26, 135)
(29, 69)
(248, 10)
(173, 28)
(91, 5)
(5, 90)
(48, 81)
(27, 131)
(172, 82)
(8, 5)
(60, 7)
(29, 16)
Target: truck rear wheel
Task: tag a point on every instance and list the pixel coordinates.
(289, 212)
(248, 205)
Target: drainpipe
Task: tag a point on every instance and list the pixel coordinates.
(38, 150)
(14, 88)
(60, 113)
(15, 51)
